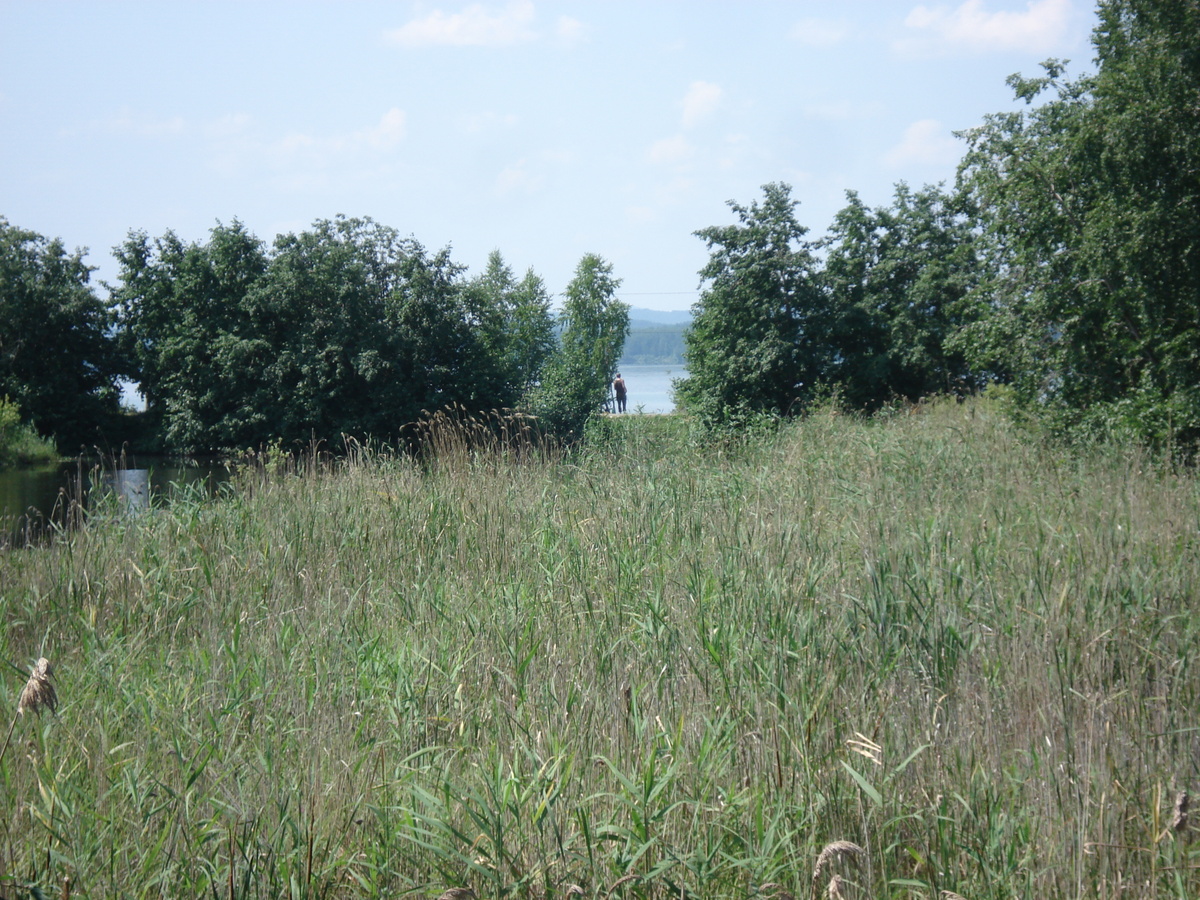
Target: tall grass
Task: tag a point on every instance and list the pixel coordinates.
(642, 669)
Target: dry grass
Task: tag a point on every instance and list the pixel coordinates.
(645, 668)
(39, 693)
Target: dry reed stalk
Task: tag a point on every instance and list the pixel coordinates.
(38, 692)
(950, 895)
(620, 881)
(458, 893)
(1179, 824)
(829, 854)
(776, 891)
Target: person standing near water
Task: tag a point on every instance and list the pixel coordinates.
(619, 392)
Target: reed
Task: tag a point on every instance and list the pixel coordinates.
(641, 667)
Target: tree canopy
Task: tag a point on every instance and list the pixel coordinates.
(1063, 263)
(58, 361)
(1090, 204)
(759, 339)
(577, 375)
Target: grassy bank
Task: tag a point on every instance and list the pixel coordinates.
(645, 670)
(20, 443)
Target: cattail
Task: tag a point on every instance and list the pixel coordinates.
(1179, 823)
(830, 853)
(38, 691)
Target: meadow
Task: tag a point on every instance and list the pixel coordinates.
(918, 656)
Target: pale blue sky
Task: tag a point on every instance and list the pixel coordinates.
(543, 128)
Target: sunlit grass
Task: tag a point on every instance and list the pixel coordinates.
(651, 668)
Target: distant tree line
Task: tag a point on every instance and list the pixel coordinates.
(344, 329)
(1062, 265)
(1065, 263)
(654, 345)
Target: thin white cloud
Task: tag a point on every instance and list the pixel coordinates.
(701, 101)
(841, 110)
(386, 134)
(516, 179)
(569, 31)
(1042, 26)
(476, 26)
(227, 126)
(298, 159)
(670, 151)
(128, 122)
(486, 122)
(925, 143)
(819, 32)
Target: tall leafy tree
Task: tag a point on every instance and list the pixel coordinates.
(1092, 200)
(198, 351)
(442, 349)
(576, 378)
(516, 325)
(761, 333)
(345, 328)
(897, 277)
(58, 361)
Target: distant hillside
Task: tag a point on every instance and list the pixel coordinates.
(655, 337)
(659, 316)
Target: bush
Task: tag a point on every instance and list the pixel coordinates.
(20, 443)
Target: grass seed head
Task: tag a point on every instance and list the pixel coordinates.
(830, 854)
(1179, 823)
(39, 691)
(835, 888)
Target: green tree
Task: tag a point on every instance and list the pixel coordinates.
(897, 277)
(58, 361)
(341, 329)
(576, 378)
(198, 350)
(516, 324)
(443, 349)
(1091, 306)
(761, 333)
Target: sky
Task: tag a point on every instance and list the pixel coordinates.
(545, 129)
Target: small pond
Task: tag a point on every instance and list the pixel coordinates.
(36, 501)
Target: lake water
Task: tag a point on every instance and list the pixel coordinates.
(35, 500)
(650, 387)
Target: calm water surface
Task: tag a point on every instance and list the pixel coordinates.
(650, 387)
(35, 499)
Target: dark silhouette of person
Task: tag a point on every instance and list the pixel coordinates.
(619, 392)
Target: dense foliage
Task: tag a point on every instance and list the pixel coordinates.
(759, 341)
(1064, 264)
(1091, 209)
(58, 363)
(343, 329)
(576, 380)
(638, 668)
(896, 279)
(19, 441)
